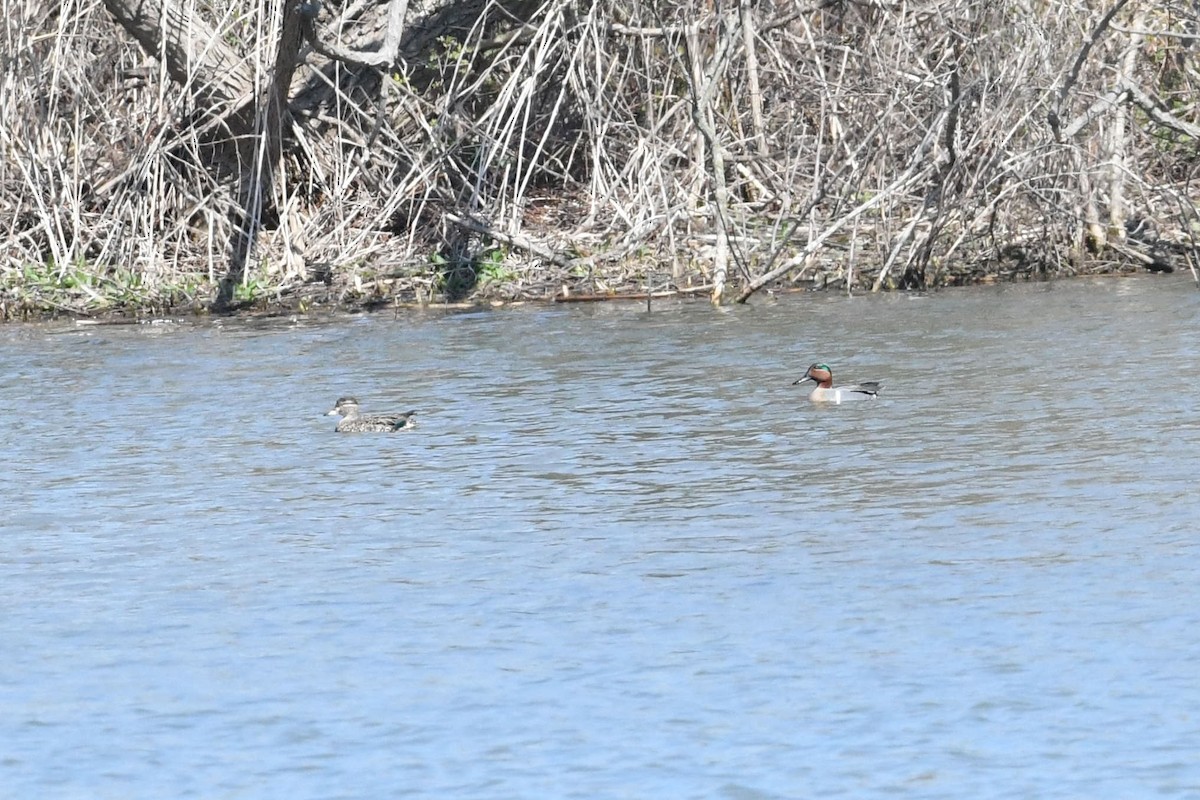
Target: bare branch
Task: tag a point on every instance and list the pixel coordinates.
(385, 57)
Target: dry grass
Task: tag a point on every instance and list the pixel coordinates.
(618, 145)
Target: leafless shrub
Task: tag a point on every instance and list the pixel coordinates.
(514, 147)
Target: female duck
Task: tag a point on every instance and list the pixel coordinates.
(354, 422)
(825, 393)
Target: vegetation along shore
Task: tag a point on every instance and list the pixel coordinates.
(221, 156)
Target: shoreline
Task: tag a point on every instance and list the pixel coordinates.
(334, 301)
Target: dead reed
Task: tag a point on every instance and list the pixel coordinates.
(372, 152)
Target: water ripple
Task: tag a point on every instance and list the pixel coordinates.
(619, 556)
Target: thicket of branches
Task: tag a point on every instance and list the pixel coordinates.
(367, 151)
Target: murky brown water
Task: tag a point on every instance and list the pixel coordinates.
(620, 557)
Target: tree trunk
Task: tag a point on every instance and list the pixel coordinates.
(257, 174)
(194, 54)
(223, 84)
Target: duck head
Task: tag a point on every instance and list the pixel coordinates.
(820, 373)
(345, 406)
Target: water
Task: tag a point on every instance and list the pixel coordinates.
(619, 557)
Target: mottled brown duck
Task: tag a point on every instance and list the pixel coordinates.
(354, 421)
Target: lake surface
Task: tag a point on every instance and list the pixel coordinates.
(620, 557)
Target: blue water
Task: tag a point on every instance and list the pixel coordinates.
(620, 556)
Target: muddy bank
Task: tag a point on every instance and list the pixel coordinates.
(109, 302)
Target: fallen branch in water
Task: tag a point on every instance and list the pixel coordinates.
(600, 297)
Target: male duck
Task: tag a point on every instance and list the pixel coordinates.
(825, 393)
(354, 422)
